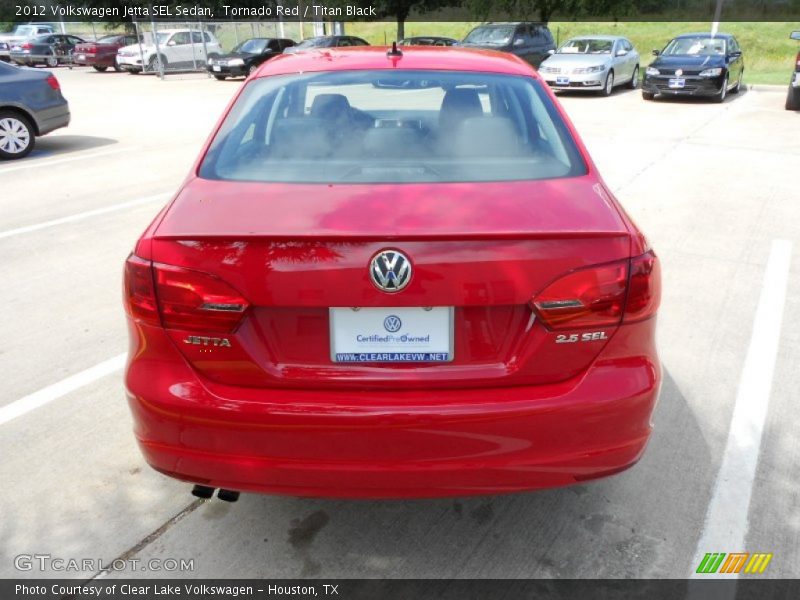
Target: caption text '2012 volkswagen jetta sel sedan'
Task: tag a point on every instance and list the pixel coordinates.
(392, 275)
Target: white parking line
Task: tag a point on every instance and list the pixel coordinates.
(83, 215)
(726, 519)
(44, 396)
(44, 162)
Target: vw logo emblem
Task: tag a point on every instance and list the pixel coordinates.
(392, 324)
(390, 270)
(679, 72)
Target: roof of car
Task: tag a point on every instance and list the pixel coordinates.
(419, 58)
(704, 34)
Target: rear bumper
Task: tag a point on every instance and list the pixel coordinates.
(94, 60)
(53, 118)
(391, 443)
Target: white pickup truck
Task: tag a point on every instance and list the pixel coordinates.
(20, 34)
(177, 48)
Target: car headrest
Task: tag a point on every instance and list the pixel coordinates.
(459, 104)
(330, 106)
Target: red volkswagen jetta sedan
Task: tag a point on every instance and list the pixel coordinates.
(392, 275)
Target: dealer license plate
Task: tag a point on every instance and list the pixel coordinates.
(372, 335)
(677, 83)
(562, 80)
(216, 68)
(81, 57)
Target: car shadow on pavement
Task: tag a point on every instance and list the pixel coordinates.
(641, 523)
(58, 145)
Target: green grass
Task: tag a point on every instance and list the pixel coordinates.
(769, 53)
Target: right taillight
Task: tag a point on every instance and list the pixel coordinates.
(592, 297)
(644, 289)
(181, 298)
(53, 82)
(602, 295)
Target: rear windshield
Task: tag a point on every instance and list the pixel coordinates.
(392, 127)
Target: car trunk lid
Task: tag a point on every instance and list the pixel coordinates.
(295, 251)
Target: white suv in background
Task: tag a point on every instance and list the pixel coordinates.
(178, 48)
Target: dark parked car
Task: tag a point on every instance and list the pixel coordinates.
(31, 104)
(793, 97)
(247, 56)
(102, 54)
(532, 42)
(428, 40)
(696, 64)
(326, 41)
(50, 50)
(20, 34)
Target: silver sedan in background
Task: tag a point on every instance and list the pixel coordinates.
(597, 63)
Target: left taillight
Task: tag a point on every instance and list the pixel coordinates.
(181, 298)
(603, 295)
(53, 82)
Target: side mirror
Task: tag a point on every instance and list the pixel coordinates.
(736, 54)
(551, 51)
(171, 43)
(519, 42)
(656, 52)
(795, 35)
(622, 52)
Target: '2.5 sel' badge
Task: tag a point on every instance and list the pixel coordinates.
(591, 336)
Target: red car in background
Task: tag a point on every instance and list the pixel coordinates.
(364, 293)
(102, 54)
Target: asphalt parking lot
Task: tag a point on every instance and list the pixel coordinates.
(715, 186)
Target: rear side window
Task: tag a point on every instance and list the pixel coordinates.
(392, 127)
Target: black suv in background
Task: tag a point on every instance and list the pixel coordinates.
(532, 42)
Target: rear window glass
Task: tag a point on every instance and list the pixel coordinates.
(392, 127)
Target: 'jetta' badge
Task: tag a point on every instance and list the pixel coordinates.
(390, 270)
